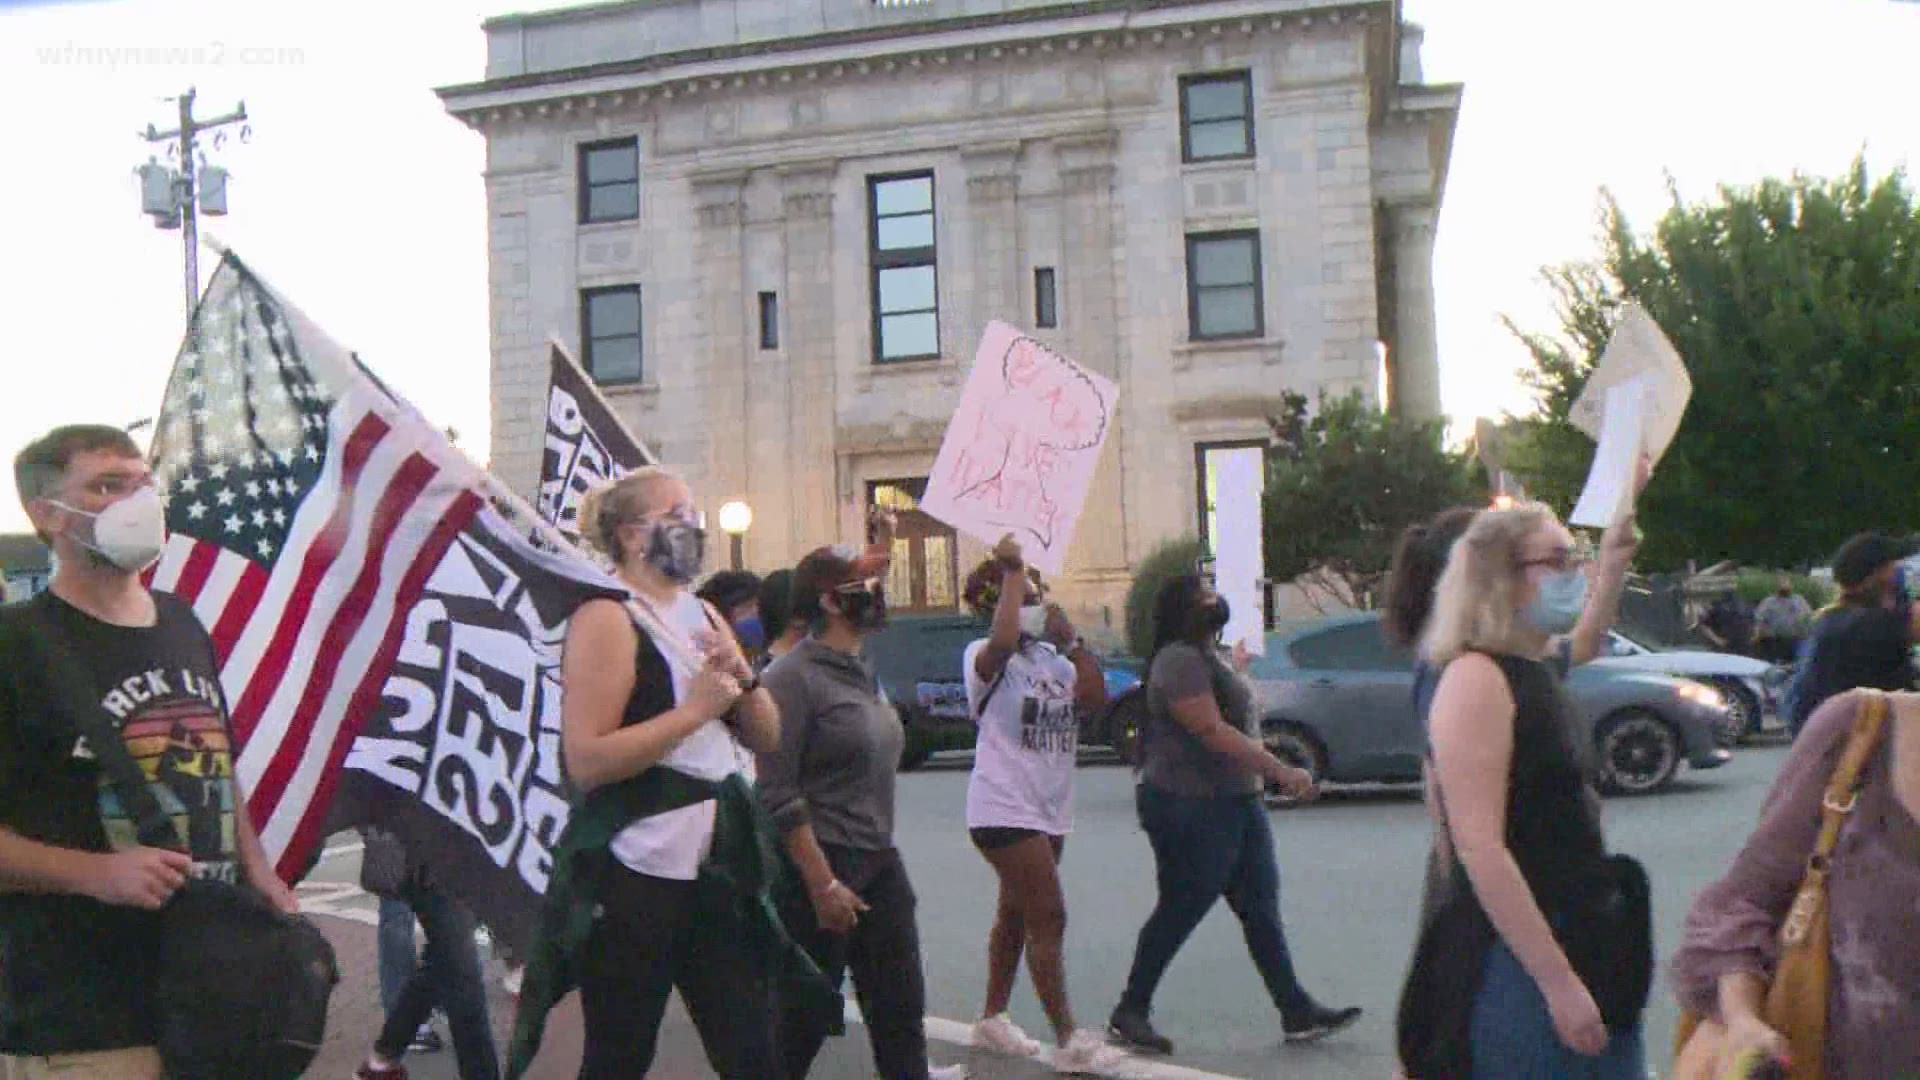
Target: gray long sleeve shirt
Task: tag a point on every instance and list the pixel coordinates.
(840, 743)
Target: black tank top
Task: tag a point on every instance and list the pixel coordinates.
(1553, 811)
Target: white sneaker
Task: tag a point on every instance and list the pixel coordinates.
(1001, 1034)
(1087, 1053)
(947, 1072)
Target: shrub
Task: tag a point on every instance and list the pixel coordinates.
(1754, 586)
(1162, 564)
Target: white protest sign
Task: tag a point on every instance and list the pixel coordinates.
(1637, 348)
(1623, 439)
(1238, 476)
(1021, 448)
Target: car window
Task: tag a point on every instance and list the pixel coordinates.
(1354, 647)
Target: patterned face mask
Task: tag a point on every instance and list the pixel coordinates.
(677, 548)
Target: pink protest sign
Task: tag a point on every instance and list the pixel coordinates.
(1021, 449)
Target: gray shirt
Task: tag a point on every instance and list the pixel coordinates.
(1174, 760)
(840, 743)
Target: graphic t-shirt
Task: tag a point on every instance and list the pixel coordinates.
(74, 973)
(1028, 742)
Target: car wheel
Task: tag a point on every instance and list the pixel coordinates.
(1742, 719)
(1124, 721)
(1297, 747)
(1638, 752)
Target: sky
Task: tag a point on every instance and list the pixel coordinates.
(357, 196)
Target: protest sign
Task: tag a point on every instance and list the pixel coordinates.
(1637, 348)
(1624, 435)
(1021, 449)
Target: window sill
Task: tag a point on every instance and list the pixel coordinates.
(945, 368)
(645, 391)
(609, 224)
(1238, 163)
(1268, 349)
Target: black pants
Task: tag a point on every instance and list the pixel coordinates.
(651, 938)
(883, 954)
(449, 977)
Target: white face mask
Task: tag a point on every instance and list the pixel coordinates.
(1033, 620)
(130, 533)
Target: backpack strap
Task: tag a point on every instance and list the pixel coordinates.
(73, 694)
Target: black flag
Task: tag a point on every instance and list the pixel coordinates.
(587, 445)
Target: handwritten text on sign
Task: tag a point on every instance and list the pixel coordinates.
(1022, 447)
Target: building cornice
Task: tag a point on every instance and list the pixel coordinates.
(1093, 27)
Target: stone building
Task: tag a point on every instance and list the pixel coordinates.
(774, 231)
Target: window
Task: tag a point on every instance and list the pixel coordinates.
(610, 181)
(1046, 304)
(925, 571)
(906, 306)
(1216, 116)
(1223, 285)
(769, 320)
(610, 334)
(1356, 647)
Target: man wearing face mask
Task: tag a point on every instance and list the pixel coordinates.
(830, 789)
(78, 892)
(1866, 638)
(735, 594)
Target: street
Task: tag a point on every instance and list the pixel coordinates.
(1350, 868)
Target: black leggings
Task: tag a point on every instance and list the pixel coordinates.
(651, 938)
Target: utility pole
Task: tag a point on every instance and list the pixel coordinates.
(174, 198)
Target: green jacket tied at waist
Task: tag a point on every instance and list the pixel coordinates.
(737, 885)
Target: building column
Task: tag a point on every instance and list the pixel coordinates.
(993, 188)
(1414, 355)
(807, 206)
(723, 381)
(1090, 325)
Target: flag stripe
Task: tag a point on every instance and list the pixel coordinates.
(308, 833)
(307, 720)
(172, 558)
(249, 582)
(194, 571)
(264, 678)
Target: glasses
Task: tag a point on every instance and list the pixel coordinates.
(118, 485)
(1561, 561)
(871, 584)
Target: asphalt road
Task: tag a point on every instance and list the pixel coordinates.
(1350, 866)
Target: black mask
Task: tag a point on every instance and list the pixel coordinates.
(1211, 619)
(865, 609)
(677, 549)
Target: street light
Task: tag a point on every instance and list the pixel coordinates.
(736, 518)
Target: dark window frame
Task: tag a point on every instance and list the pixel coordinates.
(901, 258)
(586, 185)
(769, 321)
(1244, 77)
(1046, 298)
(587, 336)
(1194, 288)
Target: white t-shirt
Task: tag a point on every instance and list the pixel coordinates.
(674, 844)
(1028, 742)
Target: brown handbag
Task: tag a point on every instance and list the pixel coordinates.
(1796, 1005)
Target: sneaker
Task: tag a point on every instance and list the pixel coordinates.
(1132, 1028)
(1001, 1034)
(366, 1071)
(946, 1072)
(426, 1041)
(1086, 1054)
(1318, 1023)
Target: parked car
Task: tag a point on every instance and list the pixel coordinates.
(1751, 687)
(917, 659)
(1338, 702)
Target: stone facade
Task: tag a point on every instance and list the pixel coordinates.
(1054, 134)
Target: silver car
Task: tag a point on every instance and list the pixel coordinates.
(1338, 701)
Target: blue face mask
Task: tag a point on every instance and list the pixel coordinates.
(1557, 607)
(752, 634)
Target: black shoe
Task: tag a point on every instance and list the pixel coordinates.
(1317, 1023)
(426, 1041)
(1131, 1026)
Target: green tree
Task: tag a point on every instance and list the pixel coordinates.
(1341, 487)
(1796, 305)
(1162, 564)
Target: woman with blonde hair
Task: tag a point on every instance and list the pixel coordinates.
(660, 717)
(1540, 939)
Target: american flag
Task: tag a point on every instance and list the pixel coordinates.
(307, 508)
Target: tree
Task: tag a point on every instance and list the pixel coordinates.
(1341, 487)
(1164, 563)
(1796, 305)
